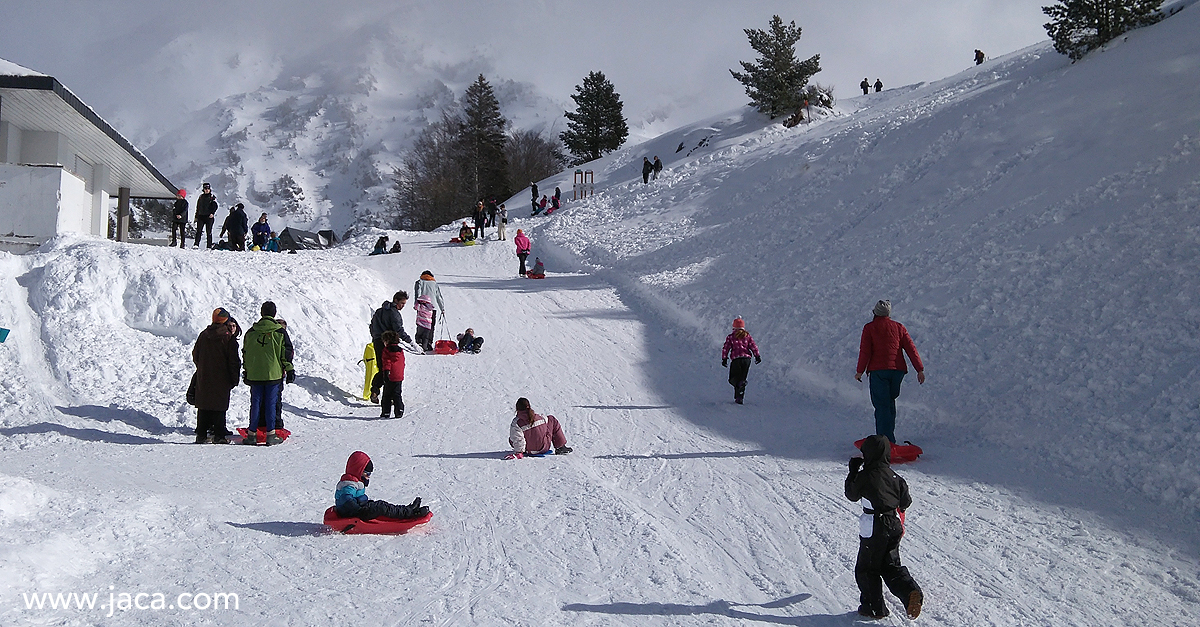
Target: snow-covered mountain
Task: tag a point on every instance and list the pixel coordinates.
(1033, 221)
(316, 145)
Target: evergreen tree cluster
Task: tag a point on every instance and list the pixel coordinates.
(1079, 26)
(776, 81)
(464, 157)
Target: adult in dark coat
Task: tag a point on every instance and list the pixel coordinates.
(206, 215)
(218, 362)
(878, 85)
(866, 86)
(236, 225)
(480, 218)
(979, 57)
(179, 219)
(647, 168)
(533, 186)
(261, 232)
(386, 318)
(882, 493)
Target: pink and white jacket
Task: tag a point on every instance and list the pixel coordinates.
(533, 433)
(523, 244)
(425, 309)
(736, 347)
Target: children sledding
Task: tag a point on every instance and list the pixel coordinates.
(532, 434)
(352, 507)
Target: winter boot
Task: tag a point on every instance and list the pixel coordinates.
(863, 611)
(201, 438)
(220, 440)
(563, 450)
(915, 600)
(273, 439)
(250, 440)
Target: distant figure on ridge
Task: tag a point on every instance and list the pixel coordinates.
(878, 85)
(979, 57)
(866, 86)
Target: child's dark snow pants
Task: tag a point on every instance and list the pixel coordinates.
(879, 563)
(739, 368)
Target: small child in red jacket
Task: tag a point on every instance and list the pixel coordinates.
(740, 346)
(392, 369)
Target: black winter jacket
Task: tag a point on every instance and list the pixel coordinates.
(876, 481)
(387, 318)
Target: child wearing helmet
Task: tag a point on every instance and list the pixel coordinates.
(740, 347)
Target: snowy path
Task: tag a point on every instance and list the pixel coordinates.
(657, 518)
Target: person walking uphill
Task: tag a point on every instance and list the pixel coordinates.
(740, 346)
(217, 360)
(266, 366)
(882, 493)
(881, 355)
(647, 168)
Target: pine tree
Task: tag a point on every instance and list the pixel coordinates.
(776, 82)
(482, 139)
(598, 124)
(1079, 26)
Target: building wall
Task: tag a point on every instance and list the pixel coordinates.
(74, 205)
(10, 143)
(45, 148)
(29, 200)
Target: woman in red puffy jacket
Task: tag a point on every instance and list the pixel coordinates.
(881, 355)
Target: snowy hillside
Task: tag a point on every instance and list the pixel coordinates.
(1033, 222)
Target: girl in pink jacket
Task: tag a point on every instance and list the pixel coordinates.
(534, 434)
(739, 346)
(523, 248)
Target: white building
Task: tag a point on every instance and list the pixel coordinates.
(60, 163)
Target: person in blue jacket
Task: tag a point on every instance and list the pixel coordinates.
(350, 496)
(261, 232)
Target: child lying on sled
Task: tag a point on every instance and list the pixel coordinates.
(350, 497)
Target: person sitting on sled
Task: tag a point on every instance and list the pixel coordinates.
(533, 434)
(350, 496)
(466, 233)
(538, 269)
(468, 342)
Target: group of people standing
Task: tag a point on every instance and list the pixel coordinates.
(865, 85)
(265, 362)
(871, 481)
(236, 225)
(650, 169)
(488, 214)
(553, 202)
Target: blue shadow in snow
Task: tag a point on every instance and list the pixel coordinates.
(718, 608)
(483, 455)
(87, 435)
(713, 455)
(132, 417)
(286, 529)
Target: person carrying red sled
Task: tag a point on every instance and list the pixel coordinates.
(884, 497)
(350, 496)
(740, 347)
(534, 434)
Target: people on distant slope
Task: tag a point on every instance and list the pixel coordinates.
(647, 168)
(739, 346)
(206, 214)
(540, 206)
(350, 496)
(523, 249)
(865, 85)
(218, 364)
(395, 248)
(881, 355)
(237, 227)
(179, 219)
(878, 85)
(979, 57)
(658, 166)
(480, 217)
(380, 246)
(261, 231)
(884, 497)
(533, 434)
(533, 187)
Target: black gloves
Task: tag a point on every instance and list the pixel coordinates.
(855, 464)
(724, 363)
(290, 377)
(757, 359)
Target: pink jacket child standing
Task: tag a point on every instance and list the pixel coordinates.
(534, 434)
(523, 249)
(424, 335)
(392, 368)
(739, 346)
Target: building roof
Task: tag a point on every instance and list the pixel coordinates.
(37, 102)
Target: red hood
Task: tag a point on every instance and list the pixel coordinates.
(355, 466)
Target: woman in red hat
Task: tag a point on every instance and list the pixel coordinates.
(740, 347)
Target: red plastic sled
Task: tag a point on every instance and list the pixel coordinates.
(260, 436)
(530, 275)
(376, 525)
(445, 347)
(901, 453)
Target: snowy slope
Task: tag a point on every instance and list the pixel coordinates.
(677, 507)
(1034, 223)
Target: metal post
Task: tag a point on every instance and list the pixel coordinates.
(123, 214)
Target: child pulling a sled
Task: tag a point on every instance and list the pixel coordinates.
(350, 496)
(739, 346)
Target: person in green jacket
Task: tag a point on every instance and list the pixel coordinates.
(266, 367)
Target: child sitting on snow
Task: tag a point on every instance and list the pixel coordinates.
(468, 343)
(466, 233)
(350, 497)
(538, 271)
(533, 434)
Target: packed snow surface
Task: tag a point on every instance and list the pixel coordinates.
(1034, 223)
